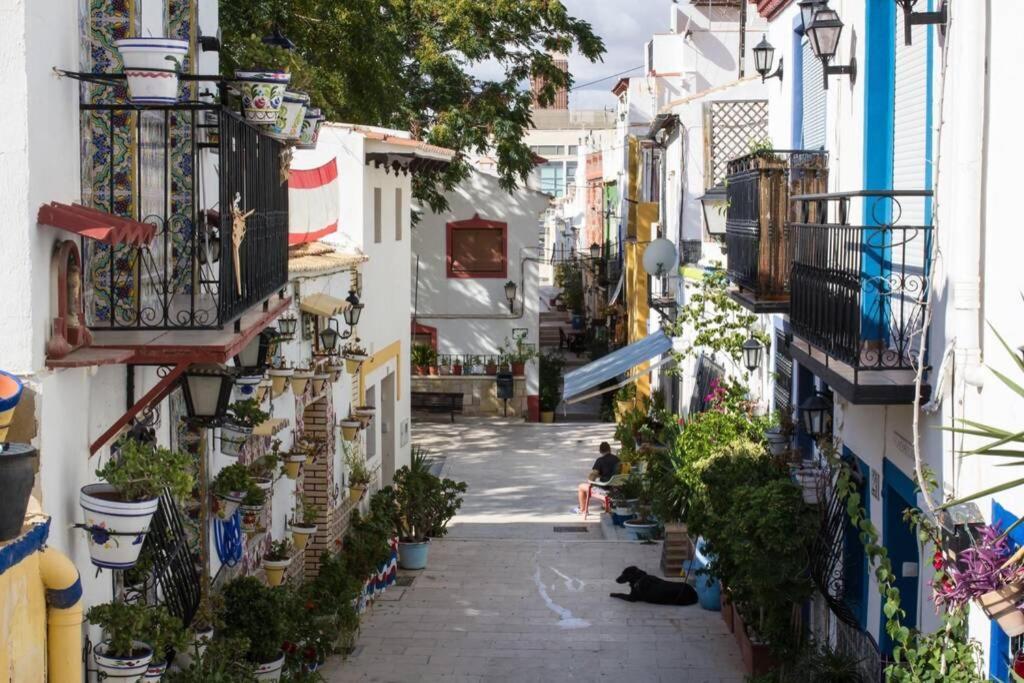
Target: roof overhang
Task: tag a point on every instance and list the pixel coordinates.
(405, 162)
(97, 225)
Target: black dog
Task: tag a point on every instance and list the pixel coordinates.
(646, 588)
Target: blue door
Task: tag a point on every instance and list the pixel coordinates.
(900, 540)
(855, 565)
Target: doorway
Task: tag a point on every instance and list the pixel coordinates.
(897, 495)
(386, 410)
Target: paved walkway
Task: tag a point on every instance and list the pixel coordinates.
(506, 598)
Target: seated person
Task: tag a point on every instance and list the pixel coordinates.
(605, 467)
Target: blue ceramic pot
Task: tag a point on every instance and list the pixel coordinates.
(413, 555)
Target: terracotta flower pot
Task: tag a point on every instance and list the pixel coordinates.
(10, 393)
(301, 534)
(491, 369)
(350, 429)
(519, 368)
(292, 464)
(355, 491)
(419, 369)
(456, 369)
(299, 381)
(280, 380)
(275, 570)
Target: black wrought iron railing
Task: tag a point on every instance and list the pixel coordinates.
(858, 291)
(184, 169)
(758, 188)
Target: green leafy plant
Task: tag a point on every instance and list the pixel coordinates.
(141, 471)
(247, 413)
(278, 551)
(221, 662)
(234, 478)
(423, 355)
(421, 505)
(254, 496)
(266, 466)
(306, 513)
(358, 472)
(254, 612)
(550, 388)
(518, 351)
(627, 392)
(123, 623)
(419, 460)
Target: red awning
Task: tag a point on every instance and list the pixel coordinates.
(98, 225)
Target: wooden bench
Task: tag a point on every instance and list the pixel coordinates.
(437, 402)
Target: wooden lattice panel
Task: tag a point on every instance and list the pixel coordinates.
(730, 127)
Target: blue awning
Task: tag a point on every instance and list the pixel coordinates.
(614, 364)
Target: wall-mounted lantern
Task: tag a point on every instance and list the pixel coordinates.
(912, 18)
(713, 204)
(207, 391)
(329, 336)
(255, 356)
(752, 351)
(823, 34)
(286, 325)
(510, 294)
(764, 55)
(353, 312)
(815, 413)
(595, 251)
(807, 10)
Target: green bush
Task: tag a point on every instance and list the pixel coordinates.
(141, 471)
(421, 504)
(254, 612)
(550, 380)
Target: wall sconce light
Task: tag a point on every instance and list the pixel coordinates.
(595, 251)
(752, 351)
(912, 18)
(329, 336)
(287, 325)
(510, 294)
(207, 391)
(814, 414)
(807, 10)
(823, 33)
(255, 356)
(353, 312)
(764, 55)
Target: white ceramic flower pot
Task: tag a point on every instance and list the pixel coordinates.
(106, 513)
(155, 672)
(250, 517)
(248, 384)
(310, 131)
(151, 66)
(262, 95)
(301, 534)
(353, 361)
(263, 483)
(123, 669)
(271, 671)
(233, 438)
(225, 506)
(289, 117)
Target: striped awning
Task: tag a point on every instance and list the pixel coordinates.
(616, 363)
(313, 203)
(323, 305)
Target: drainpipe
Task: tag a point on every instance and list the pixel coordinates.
(63, 617)
(967, 61)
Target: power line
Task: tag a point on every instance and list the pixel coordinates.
(584, 85)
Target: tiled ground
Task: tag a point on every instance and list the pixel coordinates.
(504, 598)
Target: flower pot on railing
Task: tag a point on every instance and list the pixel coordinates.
(519, 368)
(127, 669)
(335, 367)
(262, 94)
(1002, 606)
(151, 67)
(288, 125)
(10, 393)
(263, 389)
(17, 475)
(364, 413)
(116, 528)
(292, 464)
(270, 671)
(310, 132)
(299, 381)
(233, 437)
(301, 533)
(456, 369)
(491, 369)
(350, 429)
(247, 384)
(275, 570)
(280, 379)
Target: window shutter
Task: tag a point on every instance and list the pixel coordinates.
(813, 131)
(910, 136)
(377, 226)
(398, 214)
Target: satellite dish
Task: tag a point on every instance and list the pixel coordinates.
(660, 258)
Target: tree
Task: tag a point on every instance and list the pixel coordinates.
(410, 64)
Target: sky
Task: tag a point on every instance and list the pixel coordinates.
(624, 25)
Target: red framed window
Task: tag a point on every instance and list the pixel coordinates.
(477, 248)
(424, 334)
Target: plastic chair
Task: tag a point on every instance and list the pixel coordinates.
(601, 491)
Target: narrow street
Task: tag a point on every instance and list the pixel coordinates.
(507, 598)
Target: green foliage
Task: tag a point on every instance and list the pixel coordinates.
(141, 471)
(254, 496)
(627, 392)
(358, 472)
(719, 323)
(423, 355)
(266, 466)
(254, 612)
(247, 413)
(420, 504)
(550, 381)
(518, 351)
(234, 478)
(412, 65)
(569, 277)
(124, 622)
(278, 551)
(306, 512)
(220, 663)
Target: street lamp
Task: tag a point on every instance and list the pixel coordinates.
(823, 34)
(752, 350)
(714, 208)
(813, 414)
(207, 391)
(287, 325)
(329, 336)
(352, 313)
(764, 55)
(510, 294)
(912, 18)
(807, 10)
(255, 356)
(595, 251)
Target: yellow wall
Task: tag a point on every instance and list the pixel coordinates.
(392, 350)
(22, 622)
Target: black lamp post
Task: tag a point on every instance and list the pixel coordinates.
(823, 33)
(764, 55)
(287, 325)
(752, 350)
(255, 356)
(912, 18)
(352, 313)
(510, 294)
(207, 391)
(329, 336)
(814, 413)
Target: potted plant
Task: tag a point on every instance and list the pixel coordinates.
(625, 400)
(132, 634)
(118, 512)
(422, 358)
(364, 413)
(518, 354)
(491, 366)
(989, 573)
(263, 469)
(151, 67)
(421, 505)
(253, 612)
(166, 635)
(320, 382)
(262, 87)
(643, 526)
(243, 417)
(300, 378)
(359, 475)
(206, 620)
(444, 365)
(220, 662)
(335, 366)
(350, 428)
(457, 366)
(303, 522)
(280, 379)
(251, 508)
(288, 125)
(229, 488)
(293, 461)
(354, 354)
(276, 561)
(17, 476)
(811, 480)
(550, 390)
(11, 389)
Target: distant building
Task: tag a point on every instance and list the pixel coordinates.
(561, 101)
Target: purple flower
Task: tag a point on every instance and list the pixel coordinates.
(978, 569)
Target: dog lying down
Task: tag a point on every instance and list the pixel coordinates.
(646, 588)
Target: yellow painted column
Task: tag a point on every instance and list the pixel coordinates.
(389, 352)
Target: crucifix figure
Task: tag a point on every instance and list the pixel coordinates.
(237, 235)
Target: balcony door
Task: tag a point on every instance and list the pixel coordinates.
(898, 494)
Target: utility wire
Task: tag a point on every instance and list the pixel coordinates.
(621, 73)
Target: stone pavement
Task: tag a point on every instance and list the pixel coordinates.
(506, 598)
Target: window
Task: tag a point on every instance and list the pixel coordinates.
(477, 248)
(548, 150)
(398, 214)
(376, 215)
(573, 150)
(570, 175)
(552, 178)
(424, 334)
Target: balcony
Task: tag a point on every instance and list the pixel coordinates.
(758, 188)
(858, 291)
(191, 170)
